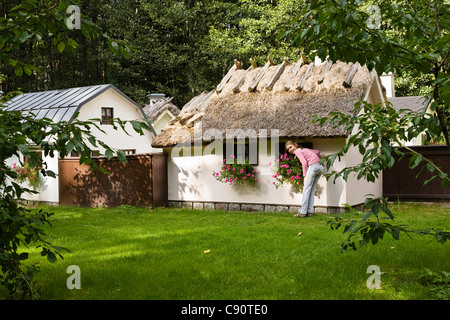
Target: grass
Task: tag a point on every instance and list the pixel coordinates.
(183, 254)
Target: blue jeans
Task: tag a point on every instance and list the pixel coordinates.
(312, 176)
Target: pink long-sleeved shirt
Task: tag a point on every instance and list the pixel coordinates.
(307, 157)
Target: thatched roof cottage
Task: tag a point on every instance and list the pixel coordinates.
(267, 104)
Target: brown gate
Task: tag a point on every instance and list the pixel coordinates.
(140, 182)
(400, 181)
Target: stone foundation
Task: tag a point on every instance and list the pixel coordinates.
(33, 204)
(249, 207)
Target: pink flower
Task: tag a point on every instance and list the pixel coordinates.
(244, 178)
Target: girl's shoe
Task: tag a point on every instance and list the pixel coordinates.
(300, 215)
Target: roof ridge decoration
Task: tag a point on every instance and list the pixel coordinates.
(302, 61)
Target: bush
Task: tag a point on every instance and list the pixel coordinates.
(26, 174)
(288, 170)
(238, 172)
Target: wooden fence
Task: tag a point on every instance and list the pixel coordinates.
(400, 182)
(140, 182)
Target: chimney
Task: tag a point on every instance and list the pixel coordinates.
(155, 97)
(387, 80)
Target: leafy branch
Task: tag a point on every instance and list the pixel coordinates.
(368, 231)
(374, 130)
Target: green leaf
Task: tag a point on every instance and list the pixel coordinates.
(136, 126)
(416, 159)
(396, 234)
(23, 36)
(61, 46)
(50, 173)
(93, 141)
(23, 149)
(429, 180)
(109, 154)
(444, 183)
(51, 256)
(430, 167)
(18, 70)
(69, 147)
(27, 69)
(121, 156)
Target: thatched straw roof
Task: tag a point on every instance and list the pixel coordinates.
(153, 111)
(283, 97)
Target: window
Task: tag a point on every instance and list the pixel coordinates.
(129, 151)
(107, 115)
(94, 153)
(37, 158)
(241, 150)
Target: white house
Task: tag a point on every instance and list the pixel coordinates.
(267, 105)
(161, 111)
(91, 102)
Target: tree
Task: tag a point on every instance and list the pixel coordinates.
(20, 227)
(38, 50)
(395, 36)
(249, 29)
(400, 36)
(176, 47)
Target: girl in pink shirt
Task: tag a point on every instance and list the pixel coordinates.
(312, 170)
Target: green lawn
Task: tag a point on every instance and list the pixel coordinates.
(132, 253)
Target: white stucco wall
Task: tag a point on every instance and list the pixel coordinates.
(190, 179)
(49, 187)
(123, 110)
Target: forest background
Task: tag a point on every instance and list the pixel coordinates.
(179, 48)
